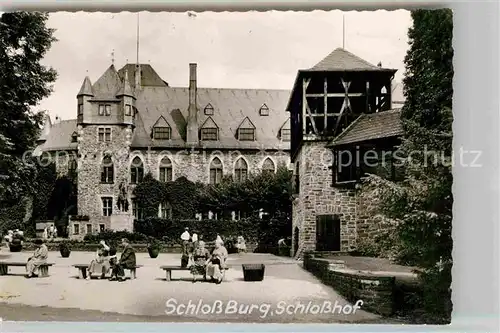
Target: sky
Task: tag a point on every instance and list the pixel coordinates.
(233, 50)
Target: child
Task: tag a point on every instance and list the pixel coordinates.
(112, 262)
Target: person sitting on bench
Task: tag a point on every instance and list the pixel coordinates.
(127, 261)
(217, 262)
(200, 257)
(100, 264)
(39, 258)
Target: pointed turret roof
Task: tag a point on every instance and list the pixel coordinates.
(343, 60)
(126, 89)
(108, 84)
(86, 89)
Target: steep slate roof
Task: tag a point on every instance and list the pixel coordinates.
(231, 107)
(59, 137)
(343, 60)
(373, 126)
(156, 99)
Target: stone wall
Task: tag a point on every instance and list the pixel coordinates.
(317, 197)
(376, 291)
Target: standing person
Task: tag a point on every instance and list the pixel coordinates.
(127, 261)
(185, 237)
(51, 231)
(45, 234)
(39, 258)
(194, 238)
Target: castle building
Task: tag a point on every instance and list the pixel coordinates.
(341, 112)
(130, 122)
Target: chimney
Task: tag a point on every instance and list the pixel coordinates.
(192, 121)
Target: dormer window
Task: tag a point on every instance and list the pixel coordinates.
(209, 131)
(104, 109)
(161, 133)
(264, 110)
(246, 134)
(128, 110)
(246, 130)
(209, 134)
(209, 110)
(286, 134)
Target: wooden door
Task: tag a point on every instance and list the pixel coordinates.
(327, 233)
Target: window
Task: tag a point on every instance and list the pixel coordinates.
(104, 109)
(268, 166)
(161, 133)
(128, 110)
(209, 134)
(166, 170)
(209, 110)
(107, 206)
(80, 109)
(102, 227)
(286, 134)
(264, 110)
(296, 186)
(215, 171)
(107, 174)
(165, 211)
(136, 210)
(344, 168)
(76, 229)
(104, 134)
(136, 171)
(72, 166)
(246, 134)
(241, 170)
(74, 137)
(89, 228)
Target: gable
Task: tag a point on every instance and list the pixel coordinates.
(161, 122)
(246, 123)
(209, 123)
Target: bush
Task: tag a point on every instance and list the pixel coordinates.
(115, 237)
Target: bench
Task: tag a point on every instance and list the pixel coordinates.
(82, 268)
(43, 269)
(168, 270)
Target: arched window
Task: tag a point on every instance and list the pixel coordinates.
(215, 171)
(107, 174)
(166, 174)
(268, 166)
(136, 171)
(241, 170)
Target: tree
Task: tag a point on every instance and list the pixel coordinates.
(24, 82)
(422, 203)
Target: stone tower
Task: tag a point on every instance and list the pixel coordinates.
(325, 100)
(106, 113)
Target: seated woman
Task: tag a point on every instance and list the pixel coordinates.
(217, 263)
(241, 246)
(39, 258)
(200, 257)
(100, 265)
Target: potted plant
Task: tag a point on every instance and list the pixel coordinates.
(64, 249)
(153, 248)
(16, 245)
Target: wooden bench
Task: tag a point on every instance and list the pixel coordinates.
(4, 267)
(168, 270)
(82, 268)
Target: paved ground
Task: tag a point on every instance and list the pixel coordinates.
(65, 297)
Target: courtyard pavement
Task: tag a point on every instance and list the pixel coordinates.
(285, 284)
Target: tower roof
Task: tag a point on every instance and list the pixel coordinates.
(125, 89)
(108, 84)
(343, 60)
(86, 88)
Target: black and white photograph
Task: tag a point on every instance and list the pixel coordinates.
(227, 167)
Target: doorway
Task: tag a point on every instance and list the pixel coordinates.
(327, 233)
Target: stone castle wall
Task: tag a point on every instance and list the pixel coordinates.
(317, 197)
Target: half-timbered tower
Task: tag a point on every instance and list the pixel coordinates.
(328, 101)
